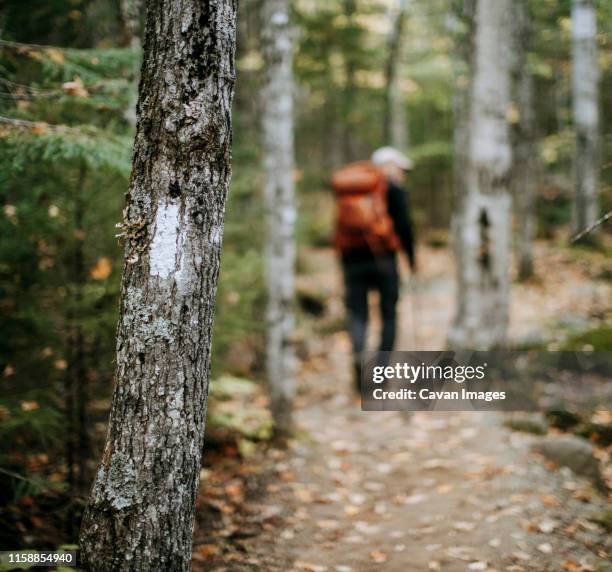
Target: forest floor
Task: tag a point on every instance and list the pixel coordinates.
(361, 491)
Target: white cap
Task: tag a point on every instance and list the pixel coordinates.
(391, 155)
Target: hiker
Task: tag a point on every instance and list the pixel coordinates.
(373, 223)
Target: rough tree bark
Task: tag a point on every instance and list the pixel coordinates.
(396, 128)
(278, 162)
(585, 85)
(141, 509)
(524, 144)
(482, 220)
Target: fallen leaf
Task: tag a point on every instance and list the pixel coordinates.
(549, 500)
(207, 550)
(75, 88)
(303, 495)
(102, 269)
(415, 499)
(545, 548)
(29, 405)
(384, 468)
(378, 556)
(443, 489)
(366, 528)
(55, 55)
(327, 524)
(309, 566)
(547, 526)
(37, 521)
(459, 552)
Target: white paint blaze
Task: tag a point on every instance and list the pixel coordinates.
(164, 246)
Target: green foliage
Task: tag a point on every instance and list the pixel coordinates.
(599, 338)
(237, 411)
(64, 168)
(86, 147)
(28, 428)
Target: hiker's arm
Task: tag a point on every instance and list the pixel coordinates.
(398, 209)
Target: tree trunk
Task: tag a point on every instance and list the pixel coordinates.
(129, 13)
(525, 152)
(461, 26)
(396, 128)
(586, 112)
(482, 222)
(77, 442)
(141, 510)
(278, 163)
(77, 359)
(348, 93)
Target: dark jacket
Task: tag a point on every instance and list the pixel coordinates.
(398, 206)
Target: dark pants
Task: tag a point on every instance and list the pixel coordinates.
(361, 276)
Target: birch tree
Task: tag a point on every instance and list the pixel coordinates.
(525, 152)
(585, 86)
(278, 163)
(141, 509)
(482, 220)
(396, 128)
(129, 11)
(461, 25)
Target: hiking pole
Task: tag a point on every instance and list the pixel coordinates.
(591, 227)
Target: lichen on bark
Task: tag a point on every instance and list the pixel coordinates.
(141, 509)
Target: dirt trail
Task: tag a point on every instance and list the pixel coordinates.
(362, 491)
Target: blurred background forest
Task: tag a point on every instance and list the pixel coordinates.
(68, 77)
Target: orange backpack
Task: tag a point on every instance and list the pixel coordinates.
(363, 218)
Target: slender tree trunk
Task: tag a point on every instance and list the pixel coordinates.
(348, 93)
(130, 24)
(278, 163)
(482, 223)
(525, 152)
(141, 510)
(461, 26)
(129, 12)
(396, 128)
(77, 439)
(77, 359)
(586, 112)
(70, 427)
